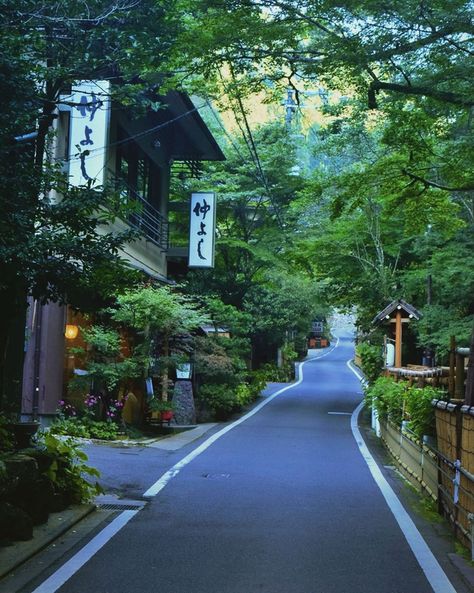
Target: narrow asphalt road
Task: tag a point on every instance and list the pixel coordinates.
(284, 502)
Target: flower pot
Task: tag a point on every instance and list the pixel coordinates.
(162, 416)
(22, 432)
(166, 416)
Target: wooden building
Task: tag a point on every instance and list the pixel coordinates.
(141, 153)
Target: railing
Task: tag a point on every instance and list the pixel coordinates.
(447, 482)
(417, 459)
(142, 216)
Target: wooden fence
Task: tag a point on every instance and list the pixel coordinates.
(416, 460)
(445, 472)
(455, 432)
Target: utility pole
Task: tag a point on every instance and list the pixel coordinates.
(290, 106)
(428, 357)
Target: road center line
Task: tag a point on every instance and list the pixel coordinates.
(434, 573)
(174, 471)
(67, 570)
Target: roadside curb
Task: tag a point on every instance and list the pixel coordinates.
(466, 571)
(17, 553)
(460, 566)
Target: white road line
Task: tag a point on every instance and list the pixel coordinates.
(67, 570)
(174, 471)
(356, 372)
(434, 573)
(57, 579)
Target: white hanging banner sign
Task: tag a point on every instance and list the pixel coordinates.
(202, 230)
(90, 112)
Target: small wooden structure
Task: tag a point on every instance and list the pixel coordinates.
(399, 313)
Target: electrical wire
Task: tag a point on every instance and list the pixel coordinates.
(139, 134)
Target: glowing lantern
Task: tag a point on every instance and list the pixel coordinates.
(71, 331)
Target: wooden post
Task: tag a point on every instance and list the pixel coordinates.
(470, 375)
(398, 339)
(460, 376)
(452, 366)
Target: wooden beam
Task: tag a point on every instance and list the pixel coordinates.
(398, 339)
(469, 395)
(460, 377)
(452, 366)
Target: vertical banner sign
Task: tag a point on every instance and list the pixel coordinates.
(202, 230)
(90, 113)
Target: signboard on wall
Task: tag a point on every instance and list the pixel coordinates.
(202, 230)
(90, 111)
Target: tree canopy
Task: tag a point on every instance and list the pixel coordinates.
(389, 204)
(384, 209)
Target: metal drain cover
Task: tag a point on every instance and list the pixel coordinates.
(215, 476)
(111, 503)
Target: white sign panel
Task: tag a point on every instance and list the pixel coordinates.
(90, 112)
(202, 230)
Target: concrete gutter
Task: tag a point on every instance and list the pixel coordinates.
(58, 523)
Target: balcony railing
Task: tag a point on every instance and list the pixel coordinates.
(144, 217)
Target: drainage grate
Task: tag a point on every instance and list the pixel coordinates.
(215, 476)
(119, 504)
(118, 507)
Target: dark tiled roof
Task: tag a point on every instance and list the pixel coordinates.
(394, 305)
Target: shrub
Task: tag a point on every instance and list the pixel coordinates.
(107, 431)
(282, 374)
(68, 469)
(85, 428)
(387, 397)
(420, 412)
(257, 383)
(371, 360)
(399, 401)
(221, 400)
(214, 364)
(244, 394)
(70, 427)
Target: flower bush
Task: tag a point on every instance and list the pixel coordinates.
(86, 422)
(66, 410)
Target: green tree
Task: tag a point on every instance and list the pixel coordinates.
(161, 318)
(255, 271)
(50, 249)
(405, 69)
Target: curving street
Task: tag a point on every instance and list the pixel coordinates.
(281, 501)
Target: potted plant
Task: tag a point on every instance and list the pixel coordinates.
(23, 431)
(160, 410)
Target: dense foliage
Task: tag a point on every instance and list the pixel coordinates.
(50, 249)
(382, 208)
(257, 271)
(390, 202)
(398, 401)
(371, 360)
